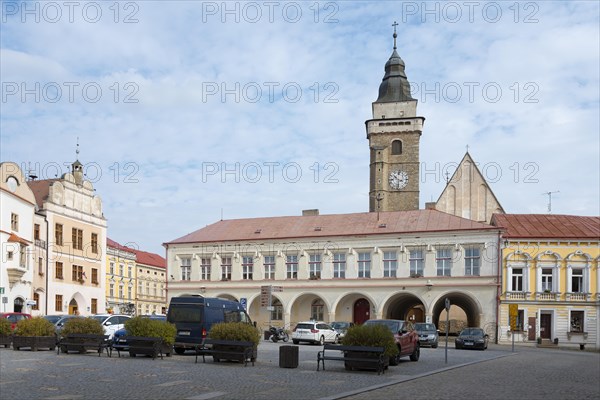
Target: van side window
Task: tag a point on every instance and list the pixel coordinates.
(232, 316)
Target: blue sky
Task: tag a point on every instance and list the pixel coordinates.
(186, 111)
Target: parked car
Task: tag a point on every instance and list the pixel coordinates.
(428, 334)
(405, 336)
(472, 338)
(14, 317)
(341, 327)
(111, 322)
(53, 319)
(314, 332)
(119, 336)
(62, 321)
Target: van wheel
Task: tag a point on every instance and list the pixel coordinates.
(295, 341)
(179, 350)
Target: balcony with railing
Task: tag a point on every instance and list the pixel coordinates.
(547, 296)
(578, 296)
(517, 295)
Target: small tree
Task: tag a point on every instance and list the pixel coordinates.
(82, 325)
(146, 327)
(372, 336)
(36, 326)
(239, 331)
(5, 327)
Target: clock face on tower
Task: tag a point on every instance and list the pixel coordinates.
(398, 179)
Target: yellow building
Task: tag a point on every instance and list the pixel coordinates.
(550, 270)
(120, 278)
(151, 283)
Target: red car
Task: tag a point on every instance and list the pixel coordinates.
(14, 317)
(406, 338)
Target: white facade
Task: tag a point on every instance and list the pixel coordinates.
(17, 207)
(391, 290)
(76, 240)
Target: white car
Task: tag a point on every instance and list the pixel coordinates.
(111, 322)
(314, 332)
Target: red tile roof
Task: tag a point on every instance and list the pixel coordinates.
(314, 226)
(548, 226)
(142, 257)
(41, 189)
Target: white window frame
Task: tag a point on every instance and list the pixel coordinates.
(247, 267)
(364, 265)
(205, 269)
(472, 260)
(269, 265)
(416, 260)
(291, 266)
(443, 261)
(226, 265)
(390, 264)
(314, 266)
(186, 269)
(339, 265)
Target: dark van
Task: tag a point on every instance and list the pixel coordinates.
(194, 315)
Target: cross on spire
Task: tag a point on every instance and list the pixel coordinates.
(395, 24)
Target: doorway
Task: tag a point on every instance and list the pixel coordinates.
(18, 305)
(545, 326)
(73, 308)
(362, 311)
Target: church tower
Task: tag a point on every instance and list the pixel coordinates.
(394, 134)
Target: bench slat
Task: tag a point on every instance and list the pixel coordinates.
(377, 351)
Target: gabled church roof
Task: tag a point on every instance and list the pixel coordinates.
(334, 225)
(461, 196)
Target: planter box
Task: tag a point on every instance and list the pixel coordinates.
(5, 341)
(349, 365)
(226, 352)
(34, 342)
(149, 346)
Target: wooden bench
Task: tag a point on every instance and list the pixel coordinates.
(82, 341)
(226, 349)
(363, 354)
(150, 346)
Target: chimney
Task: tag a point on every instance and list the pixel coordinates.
(306, 213)
(430, 205)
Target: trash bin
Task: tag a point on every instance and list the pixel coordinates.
(288, 356)
(267, 335)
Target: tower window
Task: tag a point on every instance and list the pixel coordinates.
(396, 147)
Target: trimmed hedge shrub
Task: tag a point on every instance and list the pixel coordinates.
(373, 336)
(5, 327)
(82, 325)
(239, 331)
(146, 327)
(36, 326)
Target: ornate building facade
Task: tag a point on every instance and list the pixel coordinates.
(550, 272)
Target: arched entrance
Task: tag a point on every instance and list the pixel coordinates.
(464, 312)
(362, 311)
(73, 307)
(18, 304)
(405, 306)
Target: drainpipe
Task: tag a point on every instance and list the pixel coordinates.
(499, 284)
(47, 263)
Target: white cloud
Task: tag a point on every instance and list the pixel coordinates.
(155, 155)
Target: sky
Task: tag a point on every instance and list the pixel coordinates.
(187, 112)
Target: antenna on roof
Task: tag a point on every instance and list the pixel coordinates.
(549, 194)
(30, 174)
(221, 214)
